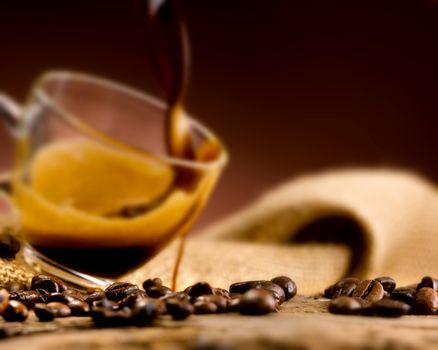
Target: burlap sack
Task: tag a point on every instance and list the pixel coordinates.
(316, 229)
(379, 222)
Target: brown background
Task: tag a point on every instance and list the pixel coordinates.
(291, 86)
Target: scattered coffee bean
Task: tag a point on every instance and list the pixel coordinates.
(79, 307)
(198, 289)
(131, 299)
(144, 312)
(120, 290)
(275, 289)
(289, 286)
(15, 311)
(344, 287)
(75, 294)
(4, 300)
(425, 302)
(387, 308)
(243, 287)
(370, 290)
(219, 301)
(404, 294)
(158, 291)
(428, 281)
(204, 307)
(388, 283)
(179, 310)
(9, 246)
(27, 297)
(43, 313)
(345, 305)
(49, 283)
(233, 304)
(94, 297)
(257, 301)
(152, 282)
(222, 292)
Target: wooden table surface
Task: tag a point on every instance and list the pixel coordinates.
(303, 323)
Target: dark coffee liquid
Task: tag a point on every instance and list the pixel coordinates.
(104, 262)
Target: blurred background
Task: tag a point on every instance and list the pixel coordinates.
(291, 86)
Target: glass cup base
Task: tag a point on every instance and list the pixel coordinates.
(42, 264)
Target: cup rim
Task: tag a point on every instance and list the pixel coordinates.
(84, 127)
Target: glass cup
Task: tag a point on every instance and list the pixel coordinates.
(96, 192)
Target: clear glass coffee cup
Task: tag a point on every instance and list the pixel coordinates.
(96, 192)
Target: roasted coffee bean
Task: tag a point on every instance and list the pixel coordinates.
(79, 307)
(131, 299)
(404, 294)
(347, 290)
(275, 289)
(425, 302)
(243, 287)
(233, 305)
(178, 295)
(15, 287)
(222, 292)
(48, 283)
(152, 282)
(94, 297)
(387, 308)
(27, 297)
(203, 307)
(345, 305)
(15, 311)
(343, 287)
(289, 286)
(428, 281)
(59, 309)
(75, 294)
(159, 292)
(198, 289)
(4, 300)
(103, 317)
(219, 301)
(257, 301)
(144, 312)
(388, 283)
(369, 290)
(120, 290)
(179, 310)
(9, 246)
(58, 297)
(43, 313)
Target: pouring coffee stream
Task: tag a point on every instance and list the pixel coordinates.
(171, 56)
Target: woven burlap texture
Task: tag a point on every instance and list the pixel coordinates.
(396, 210)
